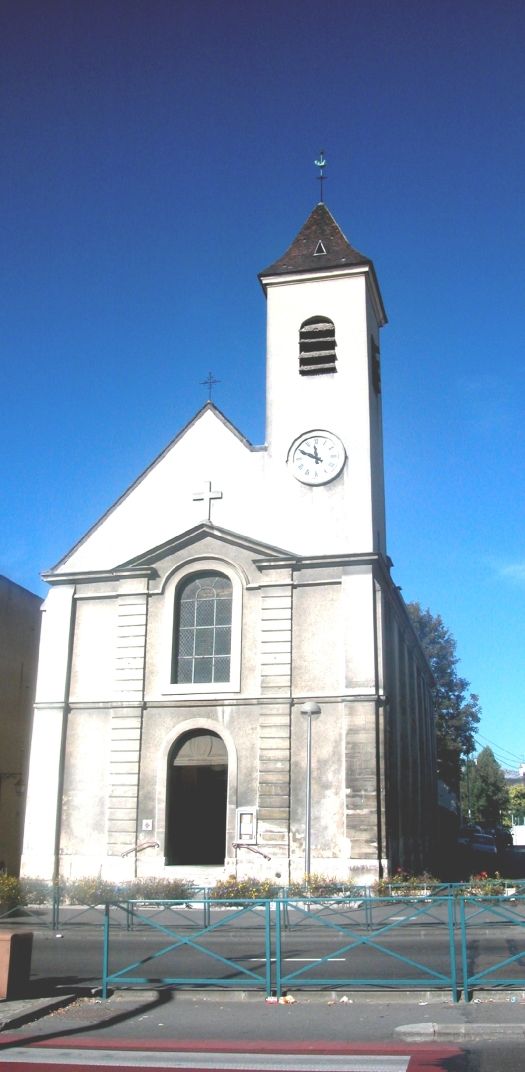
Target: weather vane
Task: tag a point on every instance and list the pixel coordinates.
(321, 163)
(209, 382)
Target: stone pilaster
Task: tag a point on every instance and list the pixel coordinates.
(361, 786)
(124, 763)
(276, 640)
(274, 777)
(126, 722)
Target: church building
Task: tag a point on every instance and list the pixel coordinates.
(228, 679)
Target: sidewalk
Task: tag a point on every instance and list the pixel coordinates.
(198, 1015)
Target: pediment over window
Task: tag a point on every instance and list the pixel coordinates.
(221, 538)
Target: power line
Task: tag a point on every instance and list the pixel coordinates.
(500, 748)
(499, 751)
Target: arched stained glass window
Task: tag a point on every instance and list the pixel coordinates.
(203, 628)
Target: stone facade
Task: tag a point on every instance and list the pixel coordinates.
(144, 770)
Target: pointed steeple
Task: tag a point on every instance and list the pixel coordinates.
(319, 246)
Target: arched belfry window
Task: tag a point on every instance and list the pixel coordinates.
(203, 630)
(317, 346)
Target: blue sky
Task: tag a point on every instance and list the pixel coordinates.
(158, 154)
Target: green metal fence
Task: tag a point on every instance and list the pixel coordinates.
(458, 942)
(478, 917)
(356, 950)
(209, 966)
(398, 942)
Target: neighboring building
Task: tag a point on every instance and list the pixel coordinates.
(19, 632)
(515, 777)
(230, 585)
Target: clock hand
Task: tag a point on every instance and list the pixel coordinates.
(316, 456)
(308, 455)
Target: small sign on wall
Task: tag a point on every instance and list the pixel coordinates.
(246, 826)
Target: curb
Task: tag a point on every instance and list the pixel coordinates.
(426, 1032)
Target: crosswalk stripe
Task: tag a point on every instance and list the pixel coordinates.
(214, 1062)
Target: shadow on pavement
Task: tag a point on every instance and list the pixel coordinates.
(163, 998)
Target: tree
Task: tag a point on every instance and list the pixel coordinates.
(489, 794)
(457, 710)
(516, 808)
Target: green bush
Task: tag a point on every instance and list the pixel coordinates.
(89, 891)
(485, 886)
(37, 891)
(159, 889)
(253, 888)
(402, 882)
(11, 894)
(321, 886)
(244, 889)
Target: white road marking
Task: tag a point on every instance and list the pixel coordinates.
(257, 1062)
(313, 960)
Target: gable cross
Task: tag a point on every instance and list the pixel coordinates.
(209, 382)
(207, 496)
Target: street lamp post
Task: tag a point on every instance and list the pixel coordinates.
(310, 710)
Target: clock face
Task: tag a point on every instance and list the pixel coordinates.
(317, 457)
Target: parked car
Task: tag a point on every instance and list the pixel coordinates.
(477, 851)
(501, 835)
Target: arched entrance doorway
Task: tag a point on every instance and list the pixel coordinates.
(196, 800)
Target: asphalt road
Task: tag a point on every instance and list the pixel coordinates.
(404, 943)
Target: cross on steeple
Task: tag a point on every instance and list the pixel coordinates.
(209, 382)
(321, 164)
(207, 496)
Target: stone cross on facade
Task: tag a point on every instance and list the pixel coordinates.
(207, 496)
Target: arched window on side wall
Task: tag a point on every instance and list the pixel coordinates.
(317, 346)
(202, 630)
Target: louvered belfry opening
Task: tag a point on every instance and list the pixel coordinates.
(317, 346)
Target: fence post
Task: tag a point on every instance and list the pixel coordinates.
(55, 909)
(452, 946)
(105, 953)
(464, 952)
(279, 906)
(268, 942)
(368, 911)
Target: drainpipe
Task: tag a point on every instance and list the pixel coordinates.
(65, 716)
(380, 704)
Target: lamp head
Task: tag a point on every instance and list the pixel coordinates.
(311, 709)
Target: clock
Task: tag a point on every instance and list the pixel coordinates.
(316, 457)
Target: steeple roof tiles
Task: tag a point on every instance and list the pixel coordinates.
(319, 233)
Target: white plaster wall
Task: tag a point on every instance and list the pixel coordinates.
(260, 498)
(318, 648)
(338, 402)
(43, 792)
(330, 849)
(93, 668)
(84, 817)
(54, 645)
(358, 597)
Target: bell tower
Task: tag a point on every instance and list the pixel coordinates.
(323, 388)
